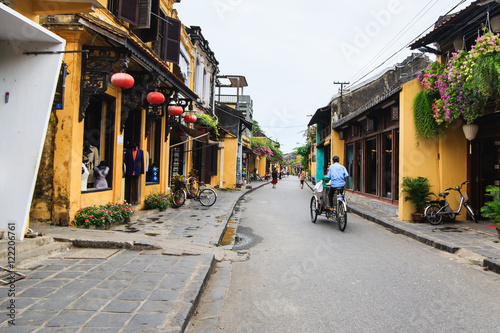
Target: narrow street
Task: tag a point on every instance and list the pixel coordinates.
(305, 277)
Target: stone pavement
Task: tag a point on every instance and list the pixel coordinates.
(473, 241)
(146, 276)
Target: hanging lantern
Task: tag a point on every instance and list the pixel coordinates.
(175, 110)
(122, 80)
(155, 98)
(470, 131)
(190, 118)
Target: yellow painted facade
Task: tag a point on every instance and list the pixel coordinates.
(69, 135)
(442, 160)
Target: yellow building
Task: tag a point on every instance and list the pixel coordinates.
(100, 125)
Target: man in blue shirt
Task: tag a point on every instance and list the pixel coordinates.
(337, 174)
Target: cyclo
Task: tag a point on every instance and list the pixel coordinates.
(319, 205)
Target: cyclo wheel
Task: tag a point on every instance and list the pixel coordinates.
(179, 198)
(342, 215)
(471, 212)
(208, 197)
(314, 209)
(431, 213)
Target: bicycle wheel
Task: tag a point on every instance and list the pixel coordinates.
(471, 212)
(179, 198)
(207, 197)
(431, 213)
(342, 215)
(314, 209)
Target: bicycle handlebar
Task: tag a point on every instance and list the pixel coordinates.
(456, 188)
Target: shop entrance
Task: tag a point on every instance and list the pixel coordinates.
(484, 160)
(132, 139)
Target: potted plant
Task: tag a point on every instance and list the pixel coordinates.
(491, 209)
(416, 190)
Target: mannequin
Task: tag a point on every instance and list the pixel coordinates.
(85, 176)
(91, 159)
(134, 167)
(154, 173)
(101, 172)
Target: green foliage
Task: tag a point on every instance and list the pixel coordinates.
(486, 75)
(102, 215)
(256, 128)
(303, 151)
(158, 200)
(205, 119)
(425, 125)
(417, 191)
(491, 209)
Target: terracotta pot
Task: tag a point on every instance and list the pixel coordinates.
(416, 217)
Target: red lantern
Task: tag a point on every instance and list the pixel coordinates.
(190, 118)
(155, 98)
(175, 110)
(122, 80)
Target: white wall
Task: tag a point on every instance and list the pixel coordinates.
(30, 81)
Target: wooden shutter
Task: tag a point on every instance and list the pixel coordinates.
(128, 10)
(172, 46)
(144, 20)
(151, 33)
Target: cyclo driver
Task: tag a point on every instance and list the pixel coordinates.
(337, 174)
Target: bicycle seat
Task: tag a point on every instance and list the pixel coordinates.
(444, 194)
(201, 183)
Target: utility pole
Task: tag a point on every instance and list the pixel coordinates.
(341, 90)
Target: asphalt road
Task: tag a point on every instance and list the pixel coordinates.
(305, 277)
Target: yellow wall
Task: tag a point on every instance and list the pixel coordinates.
(443, 160)
(337, 147)
(230, 153)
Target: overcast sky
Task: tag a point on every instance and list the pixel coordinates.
(291, 51)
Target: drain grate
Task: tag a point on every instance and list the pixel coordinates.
(8, 276)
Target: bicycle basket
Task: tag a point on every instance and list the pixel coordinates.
(459, 198)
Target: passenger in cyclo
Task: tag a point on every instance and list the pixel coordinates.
(337, 174)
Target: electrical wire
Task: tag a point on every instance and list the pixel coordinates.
(416, 18)
(405, 46)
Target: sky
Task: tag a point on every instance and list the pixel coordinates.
(292, 51)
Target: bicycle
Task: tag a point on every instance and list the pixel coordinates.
(205, 195)
(438, 209)
(319, 206)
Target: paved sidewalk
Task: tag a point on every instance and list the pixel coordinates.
(146, 276)
(474, 241)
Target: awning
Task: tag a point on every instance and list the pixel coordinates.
(140, 53)
(195, 135)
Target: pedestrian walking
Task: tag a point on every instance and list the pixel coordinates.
(274, 175)
(302, 177)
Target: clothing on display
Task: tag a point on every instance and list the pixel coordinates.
(85, 176)
(91, 159)
(134, 162)
(100, 177)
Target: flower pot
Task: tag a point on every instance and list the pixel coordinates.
(417, 217)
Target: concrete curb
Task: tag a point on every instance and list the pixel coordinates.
(221, 236)
(489, 263)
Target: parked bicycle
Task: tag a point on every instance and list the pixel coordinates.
(196, 190)
(438, 209)
(319, 205)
